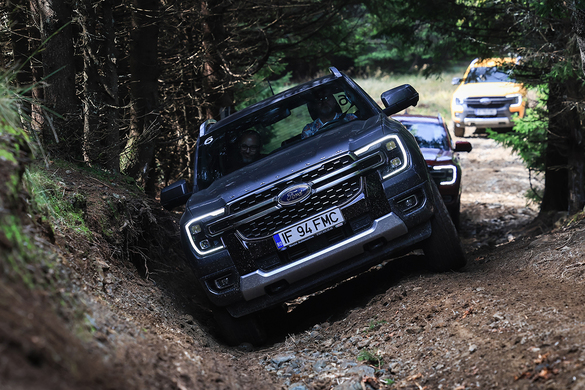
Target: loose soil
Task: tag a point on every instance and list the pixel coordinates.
(128, 315)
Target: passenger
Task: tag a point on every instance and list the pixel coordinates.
(326, 109)
(249, 146)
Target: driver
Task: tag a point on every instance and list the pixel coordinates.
(327, 110)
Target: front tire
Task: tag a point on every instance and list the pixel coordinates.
(459, 131)
(443, 249)
(455, 213)
(236, 331)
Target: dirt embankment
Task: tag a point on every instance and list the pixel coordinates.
(513, 318)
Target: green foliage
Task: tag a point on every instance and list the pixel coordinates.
(529, 136)
(427, 35)
(370, 357)
(261, 87)
(11, 117)
(23, 252)
(50, 199)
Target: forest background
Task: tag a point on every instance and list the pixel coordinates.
(124, 86)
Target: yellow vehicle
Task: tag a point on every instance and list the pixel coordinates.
(487, 97)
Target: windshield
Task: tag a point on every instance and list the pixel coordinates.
(428, 135)
(274, 127)
(488, 74)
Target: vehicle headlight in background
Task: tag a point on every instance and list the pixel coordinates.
(394, 150)
(457, 103)
(202, 244)
(444, 174)
(517, 99)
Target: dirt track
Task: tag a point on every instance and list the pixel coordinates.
(512, 319)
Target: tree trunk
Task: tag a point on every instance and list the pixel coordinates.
(556, 181)
(19, 40)
(101, 134)
(576, 150)
(145, 110)
(218, 95)
(59, 75)
(579, 28)
(37, 118)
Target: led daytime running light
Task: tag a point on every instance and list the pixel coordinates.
(195, 221)
(453, 168)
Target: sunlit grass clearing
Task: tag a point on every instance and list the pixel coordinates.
(435, 92)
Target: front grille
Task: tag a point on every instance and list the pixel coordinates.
(439, 175)
(495, 102)
(334, 184)
(333, 196)
(272, 192)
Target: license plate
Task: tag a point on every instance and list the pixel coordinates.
(308, 228)
(486, 111)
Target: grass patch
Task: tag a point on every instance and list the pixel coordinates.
(50, 198)
(435, 92)
(370, 357)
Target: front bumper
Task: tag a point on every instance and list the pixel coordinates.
(387, 227)
(498, 122)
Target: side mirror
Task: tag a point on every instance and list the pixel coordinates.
(462, 146)
(456, 80)
(399, 98)
(175, 195)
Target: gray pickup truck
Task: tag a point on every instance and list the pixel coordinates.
(288, 200)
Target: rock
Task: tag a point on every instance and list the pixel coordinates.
(279, 359)
(350, 385)
(498, 316)
(394, 367)
(362, 370)
(363, 343)
(346, 364)
(319, 365)
(298, 386)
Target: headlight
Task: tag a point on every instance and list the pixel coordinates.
(457, 103)
(202, 244)
(444, 174)
(517, 99)
(392, 146)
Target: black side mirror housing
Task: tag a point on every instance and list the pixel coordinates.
(174, 195)
(463, 146)
(399, 98)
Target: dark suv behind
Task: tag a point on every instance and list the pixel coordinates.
(314, 208)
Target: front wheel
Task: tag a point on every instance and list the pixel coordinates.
(459, 131)
(455, 213)
(235, 331)
(443, 249)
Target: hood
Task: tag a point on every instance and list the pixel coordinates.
(489, 89)
(436, 155)
(274, 167)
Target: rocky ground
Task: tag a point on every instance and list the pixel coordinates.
(130, 317)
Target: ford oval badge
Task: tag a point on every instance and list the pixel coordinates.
(294, 194)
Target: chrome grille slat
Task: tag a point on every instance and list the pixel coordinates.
(496, 102)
